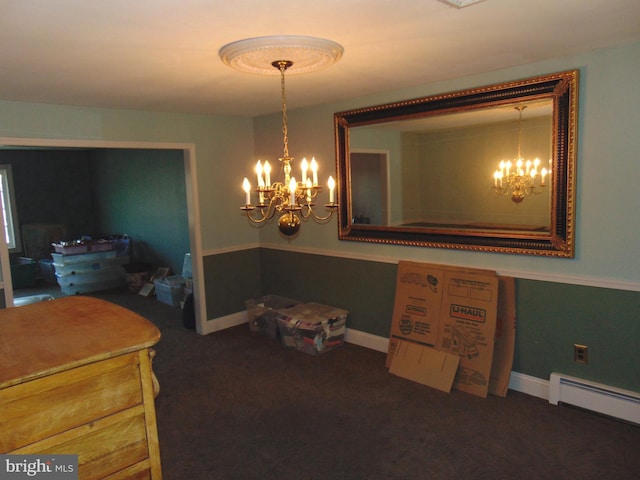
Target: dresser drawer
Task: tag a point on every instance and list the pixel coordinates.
(105, 447)
(48, 406)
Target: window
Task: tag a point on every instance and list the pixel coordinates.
(9, 213)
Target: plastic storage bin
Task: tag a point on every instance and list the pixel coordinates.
(312, 328)
(263, 312)
(89, 266)
(61, 259)
(99, 276)
(170, 290)
(88, 287)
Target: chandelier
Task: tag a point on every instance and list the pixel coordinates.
(289, 199)
(520, 177)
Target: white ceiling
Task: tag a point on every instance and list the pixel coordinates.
(162, 55)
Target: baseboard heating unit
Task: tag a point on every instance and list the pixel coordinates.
(615, 402)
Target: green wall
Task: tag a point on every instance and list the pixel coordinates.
(364, 288)
(230, 279)
(552, 317)
(142, 193)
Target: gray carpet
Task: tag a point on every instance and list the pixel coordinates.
(235, 405)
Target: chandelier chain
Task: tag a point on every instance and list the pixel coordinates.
(520, 109)
(285, 131)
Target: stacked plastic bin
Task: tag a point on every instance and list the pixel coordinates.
(86, 272)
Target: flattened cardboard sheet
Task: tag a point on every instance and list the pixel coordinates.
(505, 338)
(424, 365)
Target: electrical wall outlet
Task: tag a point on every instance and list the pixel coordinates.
(580, 353)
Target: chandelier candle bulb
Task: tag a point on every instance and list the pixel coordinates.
(332, 185)
(314, 170)
(304, 165)
(267, 174)
(259, 174)
(292, 191)
(246, 186)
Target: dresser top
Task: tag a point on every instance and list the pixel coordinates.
(51, 336)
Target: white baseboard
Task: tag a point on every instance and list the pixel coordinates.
(222, 323)
(534, 386)
(363, 339)
(519, 382)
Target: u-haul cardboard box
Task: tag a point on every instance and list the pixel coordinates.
(416, 311)
(452, 310)
(467, 327)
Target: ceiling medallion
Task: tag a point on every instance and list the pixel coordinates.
(461, 3)
(256, 55)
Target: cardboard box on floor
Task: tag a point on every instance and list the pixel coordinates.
(452, 311)
(424, 365)
(505, 338)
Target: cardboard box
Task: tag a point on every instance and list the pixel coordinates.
(424, 365)
(467, 327)
(416, 311)
(312, 328)
(452, 310)
(505, 338)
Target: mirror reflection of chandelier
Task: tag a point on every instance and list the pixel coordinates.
(520, 177)
(290, 199)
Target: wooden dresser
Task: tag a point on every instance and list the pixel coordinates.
(76, 378)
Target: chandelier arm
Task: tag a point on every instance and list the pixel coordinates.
(311, 212)
(266, 213)
(263, 219)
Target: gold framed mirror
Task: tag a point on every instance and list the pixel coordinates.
(443, 171)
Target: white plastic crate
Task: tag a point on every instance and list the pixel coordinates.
(93, 286)
(169, 293)
(61, 259)
(91, 277)
(89, 267)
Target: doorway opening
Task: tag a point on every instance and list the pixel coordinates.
(186, 151)
(370, 187)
